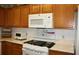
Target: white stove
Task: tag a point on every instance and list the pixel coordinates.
(36, 47)
(29, 49)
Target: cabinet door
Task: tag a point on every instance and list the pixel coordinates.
(34, 8)
(9, 48)
(5, 48)
(24, 16)
(16, 17)
(41, 8)
(63, 16)
(58, 17)
(17, 49)
(5, 18)
(10, 17)
(46, 8)
(1, 17)
(69, 15)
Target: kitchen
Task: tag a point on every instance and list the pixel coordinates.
(54, 34)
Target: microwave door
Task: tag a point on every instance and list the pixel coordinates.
(39, 22)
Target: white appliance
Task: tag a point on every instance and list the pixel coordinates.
(29, 49)
(41, 20)
(37, 46)
(20, 36)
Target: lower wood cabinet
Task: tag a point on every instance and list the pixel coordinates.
(55, 52)
(9, 48)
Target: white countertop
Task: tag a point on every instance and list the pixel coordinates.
(64, 45)
(13, 40)
(60, 45)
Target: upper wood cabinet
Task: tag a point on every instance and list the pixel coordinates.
(8, 17)
(12, 17)
(46, 8)
(6, 22)
(24, 16)
(16, 16)
(1, 16)
(40, 8)
(64, 16)
(34, 8)
(69, 15)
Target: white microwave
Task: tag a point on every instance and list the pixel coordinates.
(41, 20)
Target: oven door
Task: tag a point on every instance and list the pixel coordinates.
(29, 49)
(33, 52)
(24, 52)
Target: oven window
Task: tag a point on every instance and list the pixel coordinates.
(36, 21)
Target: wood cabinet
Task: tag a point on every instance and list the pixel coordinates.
(1, 16)
(5, 18)
(9, 48)
(8, 18)
(24, 16)
(34, 8)
(55, 52)
(12, 17)
(46, 8)
(64, 16)
(16, 16)
(40, 8)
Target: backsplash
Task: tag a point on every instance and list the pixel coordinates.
(56, 33)
(45, 33)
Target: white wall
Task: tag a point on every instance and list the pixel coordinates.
(59, 33)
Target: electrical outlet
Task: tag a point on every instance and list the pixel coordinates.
(42, 34)
(62, 36)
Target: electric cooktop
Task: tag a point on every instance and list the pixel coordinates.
(41, 43)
